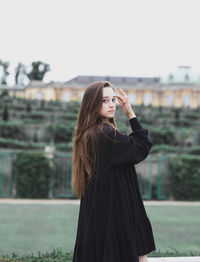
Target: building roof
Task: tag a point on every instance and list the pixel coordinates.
(115, 80)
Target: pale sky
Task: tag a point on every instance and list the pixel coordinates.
(101, 37)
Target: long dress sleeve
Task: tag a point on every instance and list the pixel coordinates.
(132, 148)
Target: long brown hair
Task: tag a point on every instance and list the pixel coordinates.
(86, 136)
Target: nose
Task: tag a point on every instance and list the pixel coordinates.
(112, 104)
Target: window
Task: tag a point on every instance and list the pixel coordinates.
(170, 99)
(39, 95)
(66, 96)
(132, 98)
(186, 100)
(147, 99)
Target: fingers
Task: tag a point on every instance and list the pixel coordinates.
(122, 91)
(122, 100)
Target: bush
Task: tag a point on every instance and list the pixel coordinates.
(17, 107)
(12, 130)
(164, 148)
(192, 115)
(181, 122)
(37, 115)
(184, 136)
(69, 116)
(73, 106)
(64, 147)
(194, 150)
(32, 175)
(11, 143)
(162, 135)
(185, 177)
(61, 133)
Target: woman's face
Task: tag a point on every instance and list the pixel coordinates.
(108, 103)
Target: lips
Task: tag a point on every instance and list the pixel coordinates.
(111, 111)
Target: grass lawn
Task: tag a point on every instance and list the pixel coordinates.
(29, 228)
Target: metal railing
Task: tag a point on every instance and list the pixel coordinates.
(152, 175)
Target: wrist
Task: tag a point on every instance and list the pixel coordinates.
(131, 115)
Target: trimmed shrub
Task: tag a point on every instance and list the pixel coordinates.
(61, 133)
(162, 135)
(64, 147)
(185, 177)
(73, 106)
(181, 122)
(69, 116)
(164, 148)
(17, 107)
(11, 143)
(184, 136)
(37, 115)
(11, 129)
(32, 177)
(194, 150)
(192, 115)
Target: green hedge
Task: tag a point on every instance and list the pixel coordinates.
(69, 116)
(16, 144)
(64, 147)
(32, 175)
(162, 135)
(181, 122)
(185, 177)
(61, 133)
(61, 119)
(163, 148)
(193, 150)
(12, 130)
(192, 115)
(37, 115)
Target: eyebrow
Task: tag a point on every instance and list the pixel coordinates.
(108, 96)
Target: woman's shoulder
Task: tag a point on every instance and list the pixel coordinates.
(109, 131)
(108, 128)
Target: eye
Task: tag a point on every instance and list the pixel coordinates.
(114, 99)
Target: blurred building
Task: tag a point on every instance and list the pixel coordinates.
(178, 88)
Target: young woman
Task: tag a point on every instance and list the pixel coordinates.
(113, 225)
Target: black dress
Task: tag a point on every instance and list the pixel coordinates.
(113, 225)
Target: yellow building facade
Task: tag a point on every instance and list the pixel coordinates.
(178, 89)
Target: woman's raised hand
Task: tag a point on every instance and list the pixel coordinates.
(123, 100)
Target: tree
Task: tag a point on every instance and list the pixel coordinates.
(3, 72)
(177, 113)
(42, 103)
(4, 94)
(38, 70)
(28, 107)
(5, 115)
